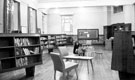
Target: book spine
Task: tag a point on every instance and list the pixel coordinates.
(21, 62)
(133, 41)
(0, 66)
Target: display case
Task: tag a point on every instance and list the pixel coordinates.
(123, 54)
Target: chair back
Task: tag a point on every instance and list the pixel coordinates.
(57, 61)
(90, 51)
(63, 50)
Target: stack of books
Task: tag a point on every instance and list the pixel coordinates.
(21, 62)
(22, 42)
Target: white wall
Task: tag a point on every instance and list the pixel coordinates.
(127, 16)
(109, 11)
(83, 18)
(117, 17)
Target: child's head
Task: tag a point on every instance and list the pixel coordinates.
(80, 45)
(76, 43)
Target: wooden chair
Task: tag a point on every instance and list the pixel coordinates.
(90, 51)
(65, 55)
(60, 65)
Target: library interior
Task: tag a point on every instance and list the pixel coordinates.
(67, 40)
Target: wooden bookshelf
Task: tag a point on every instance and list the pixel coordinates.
(61, 39)
(53, 40)
(20, 51)
(110, 29)
(123, 55)
(47, 41)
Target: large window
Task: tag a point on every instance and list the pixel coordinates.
(1, 15)
(117, 9)
(67, 22)
(32, 20)
(44, 22)
(24, 17)
(11, 16)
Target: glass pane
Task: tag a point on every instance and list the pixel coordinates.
(32, 24)
(15, 17)
(1, 15)
(24, 17)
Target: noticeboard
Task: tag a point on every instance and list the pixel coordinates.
(88, 34)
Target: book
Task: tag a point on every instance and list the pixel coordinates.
(133, 41)
(36, 50)
(0, 66)
(19, 51)
(26, 51)
(21, 62)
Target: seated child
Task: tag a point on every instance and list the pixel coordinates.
(81, 51)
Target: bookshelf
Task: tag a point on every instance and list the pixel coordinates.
(123, 56)
(51, 41)
(47, 41)
(20, 51)
(110, 29)
(61, 39)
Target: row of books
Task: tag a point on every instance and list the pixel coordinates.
(47, 46)
(21, 62)
(58, 36)
(46, 43)
(29, 52)
(50, 37)
(22, 42)
(42, 42)
(43, 38)
(61, 39)
(26, 51)
(19, 51)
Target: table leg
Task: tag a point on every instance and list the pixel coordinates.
(88, 66)
(91, 65)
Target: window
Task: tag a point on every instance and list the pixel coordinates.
(1, 15)
(32, 20)
(12, 16)
(67, 22)
(24, 17)
(117, 9)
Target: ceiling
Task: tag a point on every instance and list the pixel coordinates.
(46, 1)
(76, 3)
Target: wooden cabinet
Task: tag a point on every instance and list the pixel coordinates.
(123, 56)
(19, 51)
(110, 29)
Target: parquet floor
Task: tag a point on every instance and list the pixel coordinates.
(102, 69)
